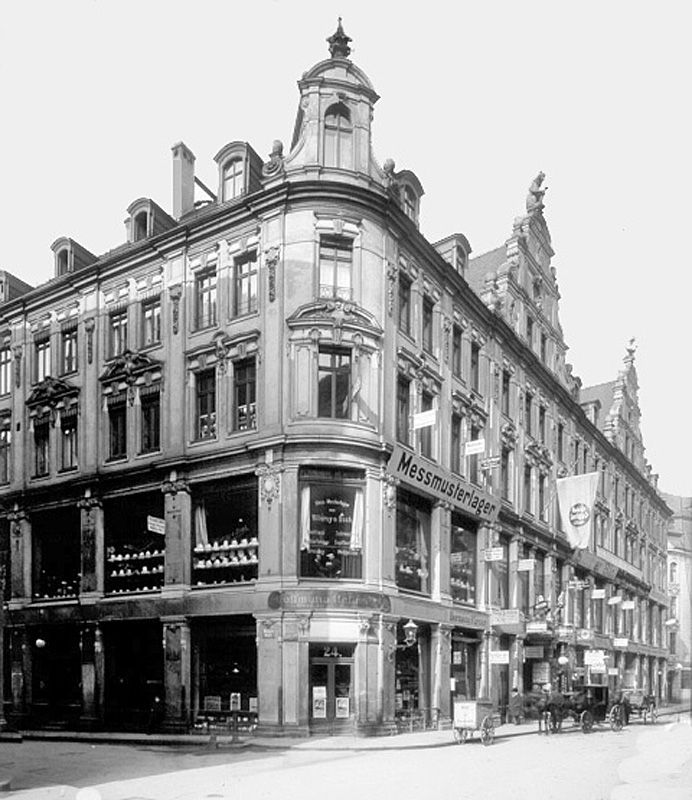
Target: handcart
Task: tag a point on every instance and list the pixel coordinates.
(473, 715)
(644, 705)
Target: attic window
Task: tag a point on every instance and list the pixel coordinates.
(233, 178)
(338, 137)
(62, 261)
(141, 225)
(410, 203)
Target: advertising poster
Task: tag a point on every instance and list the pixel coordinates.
(342, 707)
(319, 702)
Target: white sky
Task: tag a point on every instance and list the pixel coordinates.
(476, 98)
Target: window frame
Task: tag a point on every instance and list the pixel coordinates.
(248, 383)
(117, 332)
(150, 422)
(5, 370)
(338, 131)
(427, 325)
(117, 430)
(151, 323)
(334, 372)
(245, 284)
(69, 364)
(233, 178)
(403, 410)
(404, 304)
(42, 358)
(331, 248)
(206, 398)
(41, 447)
(69, 445)
(206, 297)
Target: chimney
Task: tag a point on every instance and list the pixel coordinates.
(183, 180)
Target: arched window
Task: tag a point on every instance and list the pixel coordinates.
(63, 263)
(233, 179)
(338, 137)
(673, 572)
(141, 223)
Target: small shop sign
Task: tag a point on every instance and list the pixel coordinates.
(533, 651)
(536, 626)
(212, 702)
(627, 605)
(156, 525)
(594, 657)
(620, 642)
(598, 594)
(613, 671)
(493, 554)
(499, 656)
(475, 447)
(613, 601)
(526, 564)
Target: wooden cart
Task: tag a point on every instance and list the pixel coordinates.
(473, 715)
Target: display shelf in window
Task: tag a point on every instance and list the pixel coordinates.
(231, 560)
(55, 587)
(134, 570)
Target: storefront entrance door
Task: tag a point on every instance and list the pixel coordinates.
(331, 688)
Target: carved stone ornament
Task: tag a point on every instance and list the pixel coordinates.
(174, 485)
(49, 392)
(18, 365)
(175, 293)
(275, 165)
(271, 261)
(88, 503)
(392, 274)
(269, 482)
(89, 326)
(534, 199)
(509, 435)
(389, 484)
(221, 351)
(447, 328)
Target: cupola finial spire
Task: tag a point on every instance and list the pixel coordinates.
(338, 43)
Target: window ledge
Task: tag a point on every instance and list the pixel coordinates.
(116, 459)
(66, 470)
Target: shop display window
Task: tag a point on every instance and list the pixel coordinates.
(226, 548)
(463, 667)
(462, 561)
(135, 543)
(412, 542)
(331, 523)
(56, 536)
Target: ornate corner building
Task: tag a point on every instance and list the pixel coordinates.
(279, 459)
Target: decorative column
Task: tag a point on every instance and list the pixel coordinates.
(441, 649)
(269, 673)
(20, 557)
(92, 549)
(517, 665)
(368, 699)
(92, 675)
(178, 516)
(439, 550)
(20, 672)
(176, 672)
(484, 671)
(295, 669)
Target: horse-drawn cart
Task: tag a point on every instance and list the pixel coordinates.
(644, 705)
(592, 704)
(473, 715)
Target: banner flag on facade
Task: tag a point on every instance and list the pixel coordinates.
(576, 496)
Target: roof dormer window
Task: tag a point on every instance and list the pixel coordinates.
(141, 225)
(338, 137)
(62, 261)
(233, 179)
(410, 203)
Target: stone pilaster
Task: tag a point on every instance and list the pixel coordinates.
(176, 673)
(20, 558)
(441, 657)
(178, 516)
(92, 549)
(92, 676)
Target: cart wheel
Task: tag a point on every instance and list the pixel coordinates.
(652, 713)
(461, 735)
(616, 717)
(586, 721)
(487, 730)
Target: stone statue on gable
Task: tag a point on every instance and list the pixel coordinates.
(534, 199)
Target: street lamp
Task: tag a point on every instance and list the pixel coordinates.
(410, 633)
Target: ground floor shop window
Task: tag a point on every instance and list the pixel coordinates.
(135, 542)
(56, 673)
(463, 667)
(225, 669)
(462, 567)
(331, 523)
(56, 549)
(413, 515)
(226, 548)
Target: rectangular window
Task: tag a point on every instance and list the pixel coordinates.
(5, 442)
(150, 421)
(504, 474)
(542, 510)
(68, 350)
(462, 561)
(68, 440)
(117, 332)
(205, 404)
(456, 351)
(41, 359)
(575, 464)
(404, 304)
(455, 455)
(331, 523)
(541, 424)
(474, 435)
(205, 299)
(538, 575)
(426, 434)
(527, 490)
(413, 515)
(336, 264)
(244, 395)
(334, 383)
(498, 583)
(523, 582)
(117, 429)
(528, 413)
(427, 332)
(245, 284)
(506, 378)
(41, 447)
(403, 398)
(529, 330)
(560, 441)
(544, 348)
(151, 322)
(475, 366)
(585, 468)
(5, 370)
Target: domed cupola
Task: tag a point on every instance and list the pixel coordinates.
(332, 135)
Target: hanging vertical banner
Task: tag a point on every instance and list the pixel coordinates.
(576, 496)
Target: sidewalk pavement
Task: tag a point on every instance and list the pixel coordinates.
(399, 741)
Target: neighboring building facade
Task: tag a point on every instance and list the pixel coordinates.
(220, 484)
(679, 622)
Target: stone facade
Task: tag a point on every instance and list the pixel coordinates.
(203, 519)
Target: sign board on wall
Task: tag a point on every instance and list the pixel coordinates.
(627, 605)
(533, 651)
(593, 657)
(424, 419)
(538, 626)
(475, 447)
(620, 642)
(499, 656)
(493, 554)
(156, 525)
(613, 671)
(526, 564)
(598, 594)
(414, 470)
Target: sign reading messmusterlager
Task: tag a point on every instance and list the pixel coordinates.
(439, 482)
